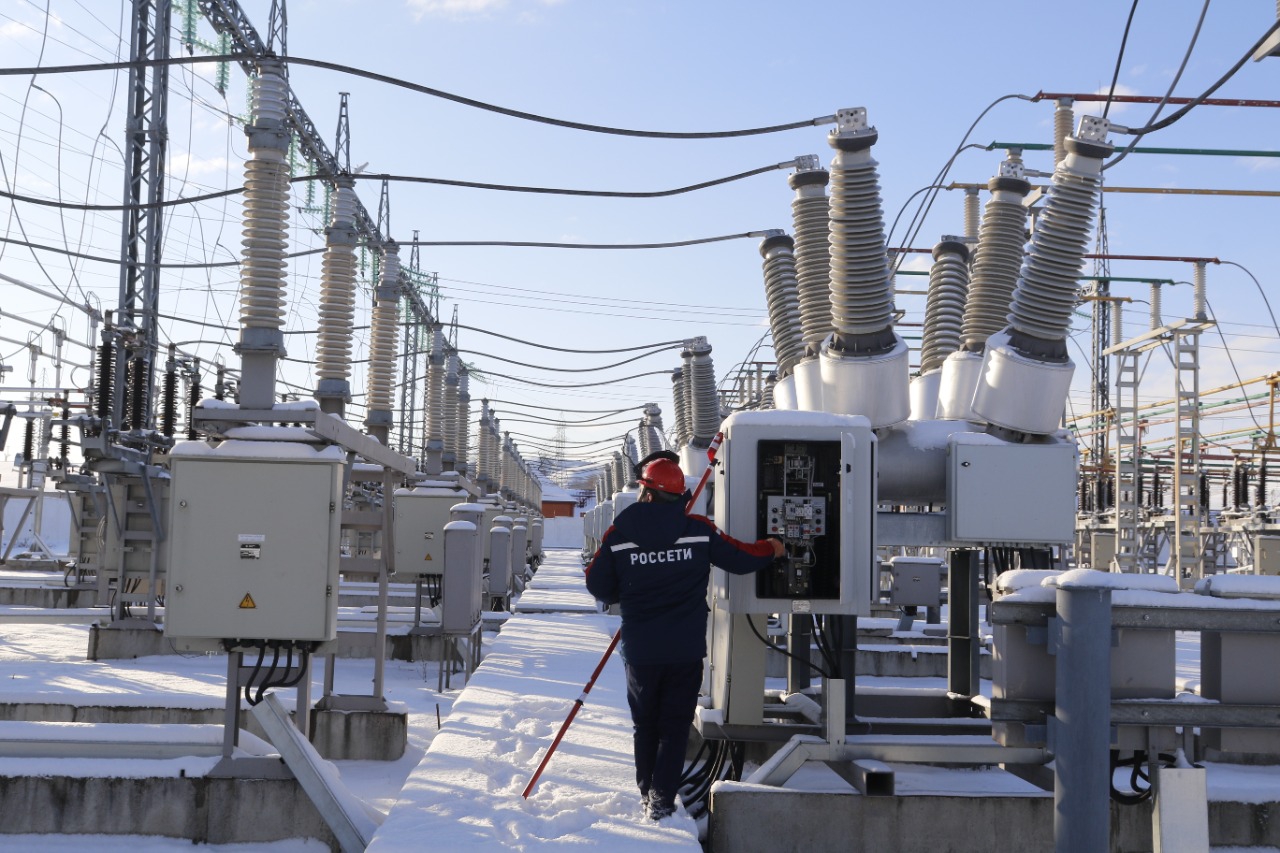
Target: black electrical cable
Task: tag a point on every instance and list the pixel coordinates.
(922, 212)
(557, 409)
(523, 244)
(248, 686)
(411, 179)
(141, 265)
(1115, 75)
(271, 673)
(249, 58)
(544, 419)
(565, 369)
(1261, 292)
(1173, 84)
(304, 660)
(783, 651)
(578, 384)
(549, 422)
(1196, 101)
(566, 349)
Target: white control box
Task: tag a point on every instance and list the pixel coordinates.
(420, 516)
(253, 541)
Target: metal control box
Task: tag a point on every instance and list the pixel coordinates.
(1010, 494)
(253, 542)
(809, 479)
(916, 581)
(420, 516)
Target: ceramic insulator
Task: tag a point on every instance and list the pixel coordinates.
(811, 221)
(337, 294)
(384, 336)
(706, 407)
(995, 263)
(944, 308)
(1046, 293)
(782, 300)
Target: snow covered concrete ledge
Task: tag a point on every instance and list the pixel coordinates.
(465, 794)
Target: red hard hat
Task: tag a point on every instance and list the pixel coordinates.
(663, 475)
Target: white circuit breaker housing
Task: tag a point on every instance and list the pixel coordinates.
(809, 479)
(420, 516)
(253, 542)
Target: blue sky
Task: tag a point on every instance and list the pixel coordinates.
(923, 70)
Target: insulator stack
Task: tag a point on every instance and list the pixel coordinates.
(944, 308)
(1239, 486)
(1046, 294)
(106, 370)
(1261, 494)
(137, 393)
(620, 473)
(464, 420)
(495, 455)
(706, 407)
(433, 405)
(384, 340)
(998, 257)
(29, 442)
(1063, 120)
(651, 437)
(811, 224)
(169, 398)
(1200, 299)
(337, 303)
(629, 459)
(1026, 370)
(680, 407)
(766, 400)
(861, 285)
(1117, 323)
(482, 444)
(782, 299)
(1204, 492)
(220, 382)
(265, 240)
(450, 426)
(266, 211)
(608, 482)
(64, 433)
(972, 214)
(1156, 313)
(686, 379)
(193, 400)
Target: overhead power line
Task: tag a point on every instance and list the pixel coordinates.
(412, 179)
(425, 90)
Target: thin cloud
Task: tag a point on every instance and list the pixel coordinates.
(458, 9)
(1121, 89)
(1259, 164)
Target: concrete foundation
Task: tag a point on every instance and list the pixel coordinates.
(760, 821)
(336, 735)
(202, 810)
(49, 597)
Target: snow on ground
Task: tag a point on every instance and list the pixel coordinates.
(466, 792)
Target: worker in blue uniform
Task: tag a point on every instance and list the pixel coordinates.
(655, 561)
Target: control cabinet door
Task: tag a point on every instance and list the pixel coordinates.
(253, 550)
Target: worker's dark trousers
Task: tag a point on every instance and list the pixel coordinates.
(662, 698)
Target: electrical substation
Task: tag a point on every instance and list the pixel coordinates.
(319, 593)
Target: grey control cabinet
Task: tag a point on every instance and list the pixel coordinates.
(253, 542)
(420, 516)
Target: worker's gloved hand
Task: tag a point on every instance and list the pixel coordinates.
(779, 550)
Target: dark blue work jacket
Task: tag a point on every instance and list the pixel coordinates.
(656, 561)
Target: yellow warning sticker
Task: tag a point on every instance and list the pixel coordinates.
(246, 603)
(428, 557)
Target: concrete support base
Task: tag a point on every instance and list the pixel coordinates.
(744, 821)
(202, 810)
(49, 597)
(336, 735)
